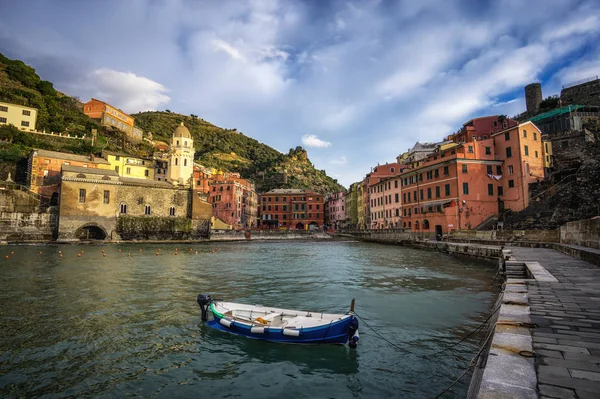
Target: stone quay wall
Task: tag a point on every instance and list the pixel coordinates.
(260, 235)
(18, 227)
(582, 232)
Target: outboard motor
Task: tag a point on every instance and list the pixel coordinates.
(353, 333)
(204, 301)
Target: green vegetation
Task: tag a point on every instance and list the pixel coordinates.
(19, 84)
(225, 149)
(231, 150)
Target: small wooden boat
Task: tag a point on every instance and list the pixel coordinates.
(280, 325)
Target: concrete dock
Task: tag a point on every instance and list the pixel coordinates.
(566, 313)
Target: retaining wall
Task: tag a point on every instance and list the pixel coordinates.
(259, 235)
(582, 232)
(17, 227)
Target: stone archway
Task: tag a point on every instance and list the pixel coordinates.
(300, 226)
(90, 231)
(313, 226)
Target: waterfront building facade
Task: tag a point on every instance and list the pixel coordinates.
(386, 204)
(377, 174)
(335, 208)
(482, 128)
(108, 115)
(100, 204)
(23, 118)
(360, 208)
(291, 209)
(468, 184)
(234, 201)
(44, 170)
(351, 206)
(130, 166)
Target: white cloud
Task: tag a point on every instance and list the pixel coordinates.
(311, 140)
(339, 161)
(128, 91)
(222, 45)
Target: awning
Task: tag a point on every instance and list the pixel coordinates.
(434, 203)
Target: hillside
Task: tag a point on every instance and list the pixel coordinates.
(215, 146)
(231, 150)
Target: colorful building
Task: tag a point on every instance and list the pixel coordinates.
(234, 201)
(377, 174)
(360, 206)
(351, 206)
(482, 128)
(108, 115)
(467, 184)
(129, 166)
(24, 118)
(292, 209)
(44, 170)
(386, 205)
(335, 211)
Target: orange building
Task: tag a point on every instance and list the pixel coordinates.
(386, 205)
(44, 169)
(370, 181)
(292, 209)
(108, 115)
(467, 184)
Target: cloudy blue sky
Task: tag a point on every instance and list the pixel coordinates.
(356, 83)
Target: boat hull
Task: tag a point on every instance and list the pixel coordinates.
(338, 331)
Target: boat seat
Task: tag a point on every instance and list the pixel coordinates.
(271, 316)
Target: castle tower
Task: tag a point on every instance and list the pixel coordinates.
(533, 97)
(181, 156)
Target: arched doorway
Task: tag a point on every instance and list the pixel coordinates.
(300, 226)
(425, 224)
(313, 226)
(90, 232)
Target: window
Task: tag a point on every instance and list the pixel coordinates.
(2, 120)
(176, 161)
(489, 169)
(464, 168)
(536, 154)
(500, 190)
(276, 199)
(392, 170)
(437, 191)
(421, 194)
(147, 173)
(147, 210)
(546, 144)
(24, 123)
(510, 169)
(447, 190)
(507, 136)
(446, 173)
(498, 170)
(82, 195)
(524, 133)
(429, 193)
(488, 150)
(3, 108)
(495, 123)
(534, 136)
(404, 197)
(508, 152)
(284, 199)
(123, 208)
(128, 170)
(466, 188)
(436, 173)
(185, 162)
(471, 148)
(526, 150)
(45, 174)
(397, 197)
(490, 189)
(26, 113)
(511, 183)
(106, 196)
(172, 211)
(396, 184)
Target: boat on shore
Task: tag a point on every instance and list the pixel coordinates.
(280, 325)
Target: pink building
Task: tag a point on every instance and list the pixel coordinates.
(482, 128)
(335, 206)
(386, 205)
(377, 174)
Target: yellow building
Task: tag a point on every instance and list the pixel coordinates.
(218, 224)
(547, 151)
(20, 116)
(360, 206)
(128, 166)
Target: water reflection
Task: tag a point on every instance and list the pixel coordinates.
(121, 325)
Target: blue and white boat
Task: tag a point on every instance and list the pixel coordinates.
(280, 325)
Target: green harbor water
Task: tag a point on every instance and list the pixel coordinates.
(125, 325)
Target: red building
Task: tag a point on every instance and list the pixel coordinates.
(292, 209)
(482, 128)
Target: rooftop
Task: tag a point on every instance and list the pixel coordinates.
(93, 171)
(72, 157)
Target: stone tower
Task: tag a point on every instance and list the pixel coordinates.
(181, 156)
(533, 97)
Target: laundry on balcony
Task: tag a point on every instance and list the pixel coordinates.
(495, 177)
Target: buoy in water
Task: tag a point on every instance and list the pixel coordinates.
(130, 253)
(6, 257)
(12, 253)
(157, 254)
(120, 250)
(140, 249)
(104, 255)
(79, 255)
(40, 252)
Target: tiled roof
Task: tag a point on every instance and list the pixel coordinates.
(72, 157)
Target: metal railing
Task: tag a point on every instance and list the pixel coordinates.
(581, 81)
